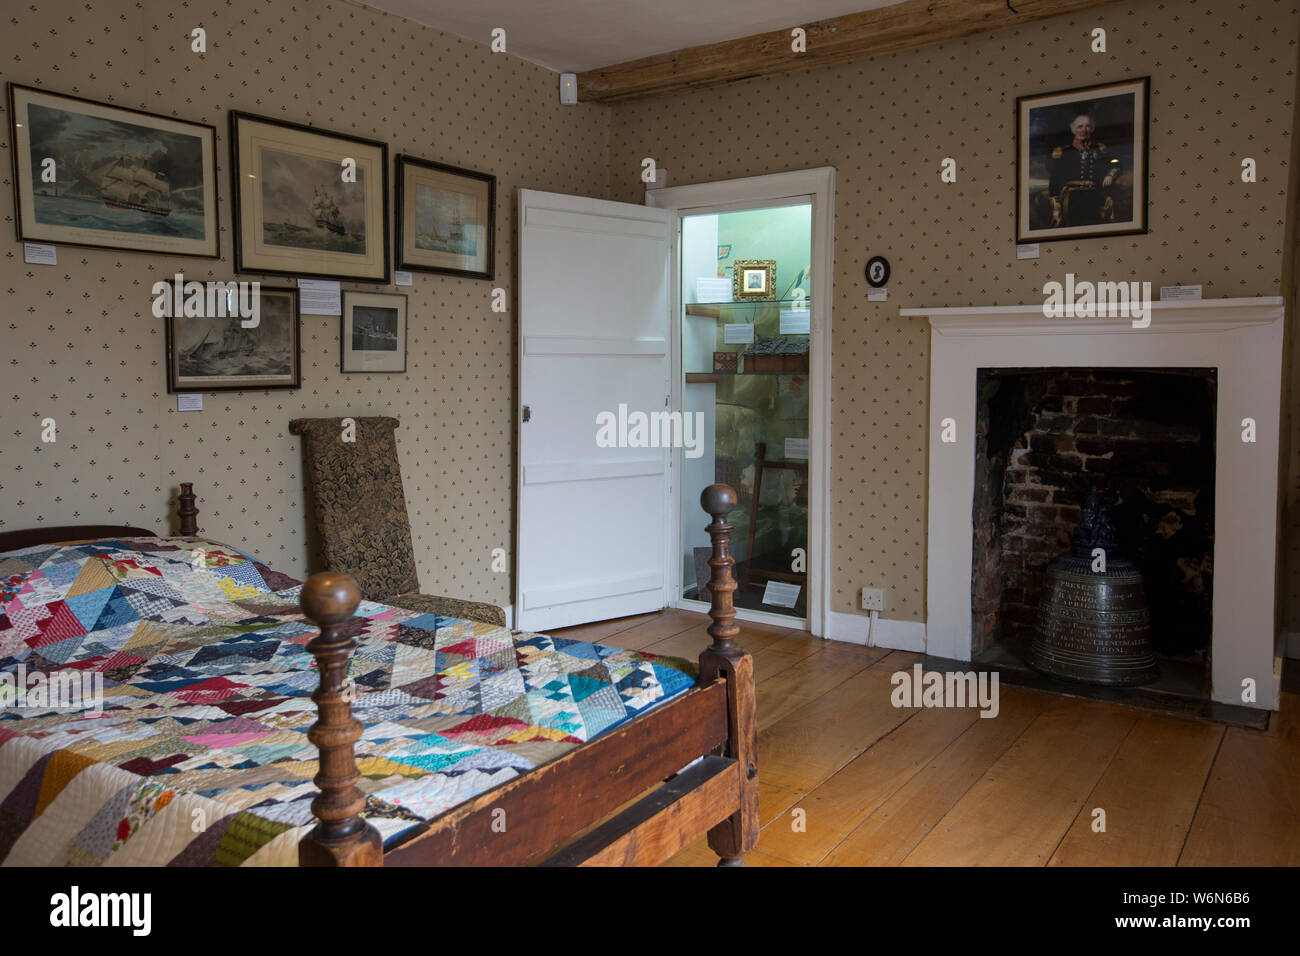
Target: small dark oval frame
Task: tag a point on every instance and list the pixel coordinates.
(883, 279)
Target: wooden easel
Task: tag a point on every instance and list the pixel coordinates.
(761, 462)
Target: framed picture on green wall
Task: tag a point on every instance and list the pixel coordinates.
(754, 279)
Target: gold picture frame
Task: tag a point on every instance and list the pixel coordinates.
(754, 279)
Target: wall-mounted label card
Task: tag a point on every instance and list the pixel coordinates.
(189, 402)
(877, 295)
(796, 321)
(1028, 250)
(711, 289)
(40, 254)
(781, 594)
(1170, 292)
(796, 448)
(319, 297)
(739, 334)
(403, 278)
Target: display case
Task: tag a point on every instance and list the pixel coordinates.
(746, 369)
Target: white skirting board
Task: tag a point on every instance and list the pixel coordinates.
(895, 635)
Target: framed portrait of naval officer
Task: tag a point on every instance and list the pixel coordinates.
(1081, 162)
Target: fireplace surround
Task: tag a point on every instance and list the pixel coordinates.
(1241, 339)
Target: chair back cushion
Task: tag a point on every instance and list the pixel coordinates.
(359, 506)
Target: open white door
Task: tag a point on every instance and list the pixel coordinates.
(594, 311)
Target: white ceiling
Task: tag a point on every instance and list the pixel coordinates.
(570, 36)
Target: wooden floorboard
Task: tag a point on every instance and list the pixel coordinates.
(885, 785)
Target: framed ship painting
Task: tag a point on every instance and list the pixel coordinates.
(446, 218)
(308, 202)
(374, 332)
(206, 354)
(90, 174)
(1081, 162)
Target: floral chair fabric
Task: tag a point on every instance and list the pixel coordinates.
(361, 518)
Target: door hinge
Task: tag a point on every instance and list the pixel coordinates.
(528, 413)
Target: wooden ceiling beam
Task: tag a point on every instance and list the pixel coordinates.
(903, 26)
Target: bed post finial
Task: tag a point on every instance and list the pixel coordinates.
(186, 511)
(718, 501)
(735, 836)
(342, 837)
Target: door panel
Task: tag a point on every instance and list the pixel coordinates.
(593, 320)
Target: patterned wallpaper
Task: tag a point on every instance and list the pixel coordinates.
(1222, 88)
(81, 345)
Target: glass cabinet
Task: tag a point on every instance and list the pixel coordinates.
(745, 360)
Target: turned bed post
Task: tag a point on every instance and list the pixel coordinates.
(342, 837)
(186, 510)
(734, 837)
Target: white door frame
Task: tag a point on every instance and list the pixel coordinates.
(756, 191)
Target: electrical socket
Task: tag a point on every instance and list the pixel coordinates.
(873, 599)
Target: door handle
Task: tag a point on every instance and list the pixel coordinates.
(528, 413)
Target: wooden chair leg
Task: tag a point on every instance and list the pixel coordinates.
(737, 835)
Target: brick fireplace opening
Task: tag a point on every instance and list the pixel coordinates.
(1043, 438)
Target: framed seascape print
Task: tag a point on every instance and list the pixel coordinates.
(1081, 162)
(90, 174)
(446, 218)
(308, 202)
(206, 354)
(374, 332)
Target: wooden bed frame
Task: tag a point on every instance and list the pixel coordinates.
(569, 812)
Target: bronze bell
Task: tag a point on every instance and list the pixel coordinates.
(1094, 626)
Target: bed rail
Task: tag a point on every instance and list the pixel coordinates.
(720, 793)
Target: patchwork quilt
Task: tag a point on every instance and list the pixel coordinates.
(155, 701)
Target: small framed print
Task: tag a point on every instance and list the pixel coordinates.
(877, 271)
(1081, 162)
(218, 354)
(446, 218)
(374, 332)
(753, 279)
(308, 202)
(90, 174)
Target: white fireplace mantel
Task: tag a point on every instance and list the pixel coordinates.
(1241, 338)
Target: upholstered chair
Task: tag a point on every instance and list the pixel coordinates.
(359, 510)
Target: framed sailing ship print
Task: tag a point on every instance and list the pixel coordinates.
(308, 202)
(374, 332)
(91, 174)
(446, 218)
(218, 354)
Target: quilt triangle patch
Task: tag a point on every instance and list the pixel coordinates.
(117, 610)
(94, 576)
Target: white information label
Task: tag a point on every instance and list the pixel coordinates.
(402, 278)
(319, 297)
(710, 289)
(877, 295)
(796, 448)
(781, 594)
(796, 321)
(1028, 250)
(189, 402)
(1169, 292)
(738, 334)
(40, 254)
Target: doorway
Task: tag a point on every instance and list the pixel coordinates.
(751, 273)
